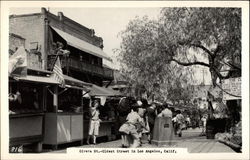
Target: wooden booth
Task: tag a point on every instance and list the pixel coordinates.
(64, 113)
(26, 109)
(108, 114)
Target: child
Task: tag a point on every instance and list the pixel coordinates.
(204, 123)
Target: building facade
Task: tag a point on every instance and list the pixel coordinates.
(79, 49)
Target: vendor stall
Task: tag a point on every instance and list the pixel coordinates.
(26, 109)
(64, 113)
(108, 99)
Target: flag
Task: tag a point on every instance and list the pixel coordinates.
(18, 62)
(58, 73)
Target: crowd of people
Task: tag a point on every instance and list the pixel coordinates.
(137, 122)
(141, 120)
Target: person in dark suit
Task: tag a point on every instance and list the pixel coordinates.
(151, 114)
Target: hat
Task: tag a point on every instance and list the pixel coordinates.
(139, 103)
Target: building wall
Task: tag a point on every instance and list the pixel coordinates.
(15, 41)
(30, 27)
(33, 57)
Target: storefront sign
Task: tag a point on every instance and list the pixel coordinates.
(233, 87)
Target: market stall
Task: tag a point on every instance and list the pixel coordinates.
(26, 109)
(232, 135)
(108, 99)
(64, 114)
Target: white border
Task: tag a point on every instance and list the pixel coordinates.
(70, 4)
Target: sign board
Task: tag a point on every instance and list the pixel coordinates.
(232, 86)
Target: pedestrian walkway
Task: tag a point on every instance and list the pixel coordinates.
(190, 140)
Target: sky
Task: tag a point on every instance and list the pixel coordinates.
(107, 23)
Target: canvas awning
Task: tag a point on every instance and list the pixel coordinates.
(81, 44)
(37, 79)
(102, 91)
(71, 82)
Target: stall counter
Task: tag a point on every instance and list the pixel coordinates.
(26, 129)
(63, 128)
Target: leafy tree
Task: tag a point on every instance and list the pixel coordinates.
(212, 33)
(151, 49)
(142, 65)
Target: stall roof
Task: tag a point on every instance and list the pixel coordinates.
(81, 44)
(102, 91)
(70, 81)
(75, 82)
(39, 70)
(38, 79)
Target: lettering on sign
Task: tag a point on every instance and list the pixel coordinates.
(166, 125)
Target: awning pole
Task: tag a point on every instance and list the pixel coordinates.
(49, 90)
(63, 91)
(86, 93)
(55, 99)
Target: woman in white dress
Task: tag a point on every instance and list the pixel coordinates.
(94, 122)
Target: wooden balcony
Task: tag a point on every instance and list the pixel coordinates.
(83, 66)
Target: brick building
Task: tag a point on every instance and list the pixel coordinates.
(15, 41)
(44, 31)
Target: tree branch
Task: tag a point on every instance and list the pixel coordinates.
(202, 47)
(199, 46)
(234, 66)
(190, 63)
(226, 91)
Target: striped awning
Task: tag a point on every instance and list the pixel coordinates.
(81, 44)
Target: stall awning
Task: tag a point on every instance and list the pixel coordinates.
(82, 45)
(70, 82)
(75, 83)
(102, 91)
(37, 79)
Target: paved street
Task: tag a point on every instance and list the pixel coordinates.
(190, 140)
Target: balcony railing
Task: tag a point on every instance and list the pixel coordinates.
(83, 67)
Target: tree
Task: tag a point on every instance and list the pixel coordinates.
(209, 37)
(213, 33)
(142, 63)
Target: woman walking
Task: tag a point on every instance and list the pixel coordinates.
(180, 120)
(129, 129)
